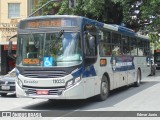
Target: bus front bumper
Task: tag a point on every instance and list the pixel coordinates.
(74, 92)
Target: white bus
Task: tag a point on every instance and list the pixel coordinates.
(73, 57)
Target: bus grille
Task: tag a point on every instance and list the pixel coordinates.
(44, 74)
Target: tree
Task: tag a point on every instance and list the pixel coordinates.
(143, 15)
(101, 10)
(140, 15)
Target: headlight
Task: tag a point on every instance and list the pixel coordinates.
(20, 83)
(1, 81)
(69, 83)
(77, 79)
(72, 82)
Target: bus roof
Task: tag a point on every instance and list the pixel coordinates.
(142, 36)
(112, 27)
(52, 16)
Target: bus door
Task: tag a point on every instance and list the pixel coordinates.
(90, 56)
(118, 63)
(119, 71)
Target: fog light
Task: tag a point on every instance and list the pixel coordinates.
(60, 92)
(77, 79)
(69, 83)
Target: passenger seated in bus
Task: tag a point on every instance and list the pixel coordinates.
(119, 52)
(116, 51)
(108, 51)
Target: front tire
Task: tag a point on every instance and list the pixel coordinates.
(104, 89)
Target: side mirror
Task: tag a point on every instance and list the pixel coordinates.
(10, 54)
(10, 48)
(92, 41)
(90, 60)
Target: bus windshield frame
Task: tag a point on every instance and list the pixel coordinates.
(49, 49)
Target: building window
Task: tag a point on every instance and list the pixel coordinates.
(13, 10)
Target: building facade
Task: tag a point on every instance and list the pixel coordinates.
(11, 12)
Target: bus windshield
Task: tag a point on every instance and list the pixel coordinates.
(49, 49)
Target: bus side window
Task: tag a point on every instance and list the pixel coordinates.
(104, 43)
(116, 44)
(104, 49)
(133, 46)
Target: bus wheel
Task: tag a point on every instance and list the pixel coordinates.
(138, 81)
(104, 90)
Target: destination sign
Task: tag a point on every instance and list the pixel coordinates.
(43, 23)
(31, 61)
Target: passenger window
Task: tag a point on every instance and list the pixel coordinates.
(104, 43)
(116, 44)
(116, 50)
(133, 46)
(104, 50)
(140, 44)
(126, 48)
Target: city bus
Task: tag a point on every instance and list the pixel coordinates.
(157, 58)
(74, 57)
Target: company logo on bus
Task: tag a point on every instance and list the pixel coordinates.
(122, 63)
(31, 82)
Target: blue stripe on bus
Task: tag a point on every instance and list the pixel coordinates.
(92, 22)
(89, 72)
(124, 30)
(77, 73)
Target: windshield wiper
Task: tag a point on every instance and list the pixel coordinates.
(36, 43)
(60, 33)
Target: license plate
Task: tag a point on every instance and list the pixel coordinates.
(42, 92)
(5, 87)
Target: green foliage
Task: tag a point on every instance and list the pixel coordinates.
(154, 40)
(88, 8)
(94, 9)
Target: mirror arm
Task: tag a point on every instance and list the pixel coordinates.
(10, 48)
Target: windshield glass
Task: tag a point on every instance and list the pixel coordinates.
(49, 49)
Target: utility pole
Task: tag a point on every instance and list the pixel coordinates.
(72, 3)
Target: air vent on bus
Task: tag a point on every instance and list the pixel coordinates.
(44, 73)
